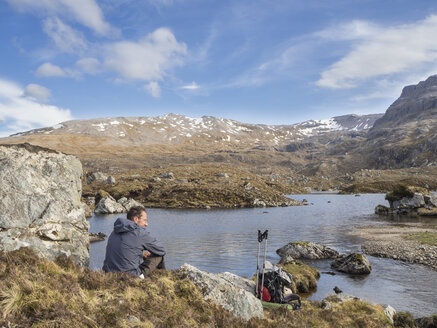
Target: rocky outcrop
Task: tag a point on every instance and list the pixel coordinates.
(405, 200)
(305, 250)
(40, 206)
(108, 205)
(353, 263)
(223, 291)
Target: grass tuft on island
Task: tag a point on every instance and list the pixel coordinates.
(304, 276)
(41, 293)
(428, 238)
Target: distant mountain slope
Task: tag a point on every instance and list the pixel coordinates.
(406, 135)
(175, 129)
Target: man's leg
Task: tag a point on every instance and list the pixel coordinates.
(152, 263)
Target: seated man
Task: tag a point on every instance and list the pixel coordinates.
(131, 248)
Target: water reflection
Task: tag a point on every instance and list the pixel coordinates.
(226, 240)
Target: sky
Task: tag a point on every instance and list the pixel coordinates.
(254, 61)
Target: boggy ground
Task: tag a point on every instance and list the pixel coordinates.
(40, 293)
(411, 243)
(196, 186)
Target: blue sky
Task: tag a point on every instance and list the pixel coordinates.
(255, 61)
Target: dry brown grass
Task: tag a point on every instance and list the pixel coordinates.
(40, 293)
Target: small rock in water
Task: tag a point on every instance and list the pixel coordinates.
(337, 290)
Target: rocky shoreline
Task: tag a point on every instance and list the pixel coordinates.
(390, 242)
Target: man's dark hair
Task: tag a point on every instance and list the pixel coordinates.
(135, 211)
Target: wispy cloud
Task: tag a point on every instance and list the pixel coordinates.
(19, 111)
(192, 86)
(85, 12)
(66, 38)
(382, 51)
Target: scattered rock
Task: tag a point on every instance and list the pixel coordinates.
(128, 203)
(110, 180)
(222, 175)
(353, 263)
(96, 176)
(96, 236)
(259, 203)
(40, 191)
(166, 175)
(236, 300)
(108, 205)
(305, 250)
(325, 305)
(337, 290)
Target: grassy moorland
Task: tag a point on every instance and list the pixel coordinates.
(195, 186)
(40, 293)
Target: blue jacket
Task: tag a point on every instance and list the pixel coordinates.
(124, 251)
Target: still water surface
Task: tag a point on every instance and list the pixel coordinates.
(226, 240)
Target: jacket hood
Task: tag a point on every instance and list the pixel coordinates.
(124, 225)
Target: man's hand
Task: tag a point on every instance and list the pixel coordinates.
(146, 254)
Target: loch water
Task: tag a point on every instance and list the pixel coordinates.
(226, 240)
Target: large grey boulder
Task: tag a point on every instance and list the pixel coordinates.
(108, 205)
(353, 263)
(305, 250)
(409, 202)
(40, 205)
(238, 301)
(246, 284)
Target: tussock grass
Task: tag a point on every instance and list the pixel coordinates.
(40, 293)
(304, 276)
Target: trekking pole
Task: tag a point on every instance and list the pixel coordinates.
(264, 235)
(257, 264)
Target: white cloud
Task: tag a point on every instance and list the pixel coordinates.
(19, 113)
(89, 65)
(147, 59)
(391, 50)
(154, 89)
(86, 12)
(37, 92)
(66, 39)
(48, 69)
(192, 86)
